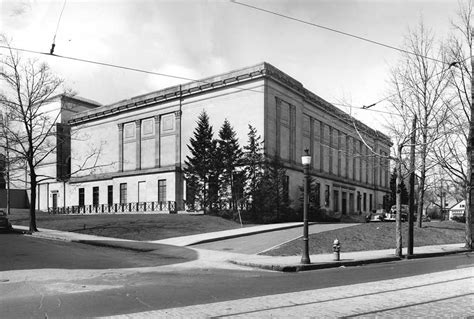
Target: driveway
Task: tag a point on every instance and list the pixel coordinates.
(254, 244)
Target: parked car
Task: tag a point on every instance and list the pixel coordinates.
(376, 216)
(5, 224)
(404, 216)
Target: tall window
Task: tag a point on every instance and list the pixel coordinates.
(370, 202)
(123, 193)
(336, 200)
(358, 201)
(81, 196)
(95, 196)
(110, 194)
(326, 196)
(365, 202)
(317, 195)
(161, 190)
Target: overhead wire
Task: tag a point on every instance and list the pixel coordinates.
(336, 31)
(117, 66)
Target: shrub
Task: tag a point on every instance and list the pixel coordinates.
(459, 219)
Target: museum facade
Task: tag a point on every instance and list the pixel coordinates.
(133, 151)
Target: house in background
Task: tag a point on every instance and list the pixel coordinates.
(457, 210)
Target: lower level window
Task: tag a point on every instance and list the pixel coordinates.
(123, 193)
(95, 196)
(161, 190)
(81, 196)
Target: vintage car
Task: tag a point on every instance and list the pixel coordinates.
(392, 215)
(5, 224)
(376, 216)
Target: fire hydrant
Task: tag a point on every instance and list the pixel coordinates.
(336, 248)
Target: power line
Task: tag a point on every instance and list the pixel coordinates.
(365, 108)
(119, 67)
(336, 31)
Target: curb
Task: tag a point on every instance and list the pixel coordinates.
(336, 264)
(210, 240)
(117, 245)
(315, 266)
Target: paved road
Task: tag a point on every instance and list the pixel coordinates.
(25, 252)
(44, 289)
(257, 243)
(443, 294)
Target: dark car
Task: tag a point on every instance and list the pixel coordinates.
(5, 224)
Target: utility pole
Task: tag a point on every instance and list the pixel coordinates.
(412, 189)
(398, 218)
(470, 154)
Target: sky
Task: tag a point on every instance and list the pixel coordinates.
(197, 38)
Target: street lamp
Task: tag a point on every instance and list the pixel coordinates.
(306, 160)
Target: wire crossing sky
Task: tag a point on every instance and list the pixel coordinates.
(189, 40)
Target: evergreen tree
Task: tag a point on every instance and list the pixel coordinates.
(200, 166)
(272, 198)
(253, 160)
(393, 189)
(229, 158)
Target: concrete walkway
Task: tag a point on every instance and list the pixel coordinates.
(279, 263)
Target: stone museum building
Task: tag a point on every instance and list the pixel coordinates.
(133, 151)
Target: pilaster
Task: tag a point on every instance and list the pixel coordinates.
(179, 174)
(157, 141)
(277, 126)
(138, 141)
(120, 147)
(292, 133)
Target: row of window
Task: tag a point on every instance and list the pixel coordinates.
(122, 193)
(362, 204)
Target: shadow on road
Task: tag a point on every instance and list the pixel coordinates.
(26, 252)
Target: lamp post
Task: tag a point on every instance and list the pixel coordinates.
(306, 160)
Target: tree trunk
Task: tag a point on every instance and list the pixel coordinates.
(8, 179)
(33, 201)
(398, 222)
(421, 185)
(468, 214)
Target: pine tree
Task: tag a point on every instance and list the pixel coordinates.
(253, 160)
(272, 198)
(393, 189)
(200, 166)
(229, 158)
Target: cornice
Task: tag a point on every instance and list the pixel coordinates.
(230, 79)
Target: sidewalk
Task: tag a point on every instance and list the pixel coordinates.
(277, 263)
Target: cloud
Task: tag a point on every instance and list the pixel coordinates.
(155, 82)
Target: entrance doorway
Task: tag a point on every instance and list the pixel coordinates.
(55, 201)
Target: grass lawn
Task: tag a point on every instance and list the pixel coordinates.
(374, 236)
(128, 226)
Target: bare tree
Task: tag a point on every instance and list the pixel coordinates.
(453, 152)
(420, 85)
(26, 87)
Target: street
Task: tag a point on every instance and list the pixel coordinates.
(124, 284)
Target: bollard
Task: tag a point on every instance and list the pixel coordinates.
(336, 248)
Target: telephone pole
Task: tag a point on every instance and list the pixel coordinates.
(470, 156)
(412, 189)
